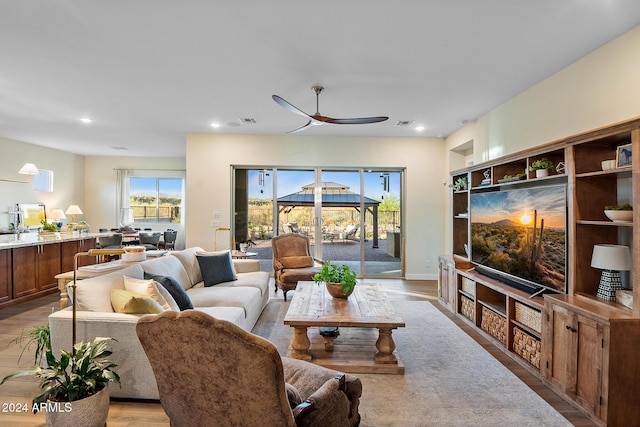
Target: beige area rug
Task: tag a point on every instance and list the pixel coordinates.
(449, 379)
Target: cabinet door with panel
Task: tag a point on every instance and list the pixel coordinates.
(5, 275)
(69, 249)
(24, 270)
(48, 265)
(574, 346)
(447, 282)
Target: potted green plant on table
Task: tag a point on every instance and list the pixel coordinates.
(541, 167)
(74, 388)
(340, 280)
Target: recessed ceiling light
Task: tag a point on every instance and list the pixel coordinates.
(419, 128)
(86, 120)
(215, 125)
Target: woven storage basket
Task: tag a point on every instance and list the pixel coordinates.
(494, 324)
(527, 346)
(468, 285)
(467, 308)
(529, 317)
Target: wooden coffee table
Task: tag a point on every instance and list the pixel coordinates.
(354, 351)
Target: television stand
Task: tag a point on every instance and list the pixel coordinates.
(508, 314)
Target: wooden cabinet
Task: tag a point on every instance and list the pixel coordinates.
(34, 268)
(24, 271)
(69, 249)
(590, 357)
(48, 265)
(5, 275)
(505, 315)
(447, 282)
(589, 347)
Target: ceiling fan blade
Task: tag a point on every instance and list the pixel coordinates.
(288, 106)
(358, 121)
(301, 128)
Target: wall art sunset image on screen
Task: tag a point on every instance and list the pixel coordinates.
(522, 233)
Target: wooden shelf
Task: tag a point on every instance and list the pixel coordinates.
(501, 310)
(605, 223)
(526, 329)
(601, 336)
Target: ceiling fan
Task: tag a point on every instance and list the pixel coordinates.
(319, 119)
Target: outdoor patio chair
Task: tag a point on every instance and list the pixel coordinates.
(230, 377)
(350, 232)
(292, 261)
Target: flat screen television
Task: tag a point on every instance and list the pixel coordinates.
(518, 236)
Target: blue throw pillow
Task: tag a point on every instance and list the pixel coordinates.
(174, 288)
(216, 268)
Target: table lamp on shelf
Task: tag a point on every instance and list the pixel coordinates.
(73, 210)
(611, 259)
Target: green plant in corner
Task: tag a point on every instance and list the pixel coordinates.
(541, 164)
(73, 376)
(332, 273)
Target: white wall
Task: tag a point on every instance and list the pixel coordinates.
(100, 189)
(600, 89)
(68, 177)
(210, 156)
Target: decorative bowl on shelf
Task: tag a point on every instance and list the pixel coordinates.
(619, 215)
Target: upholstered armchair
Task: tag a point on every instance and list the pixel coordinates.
(292, 261)
(214, 373)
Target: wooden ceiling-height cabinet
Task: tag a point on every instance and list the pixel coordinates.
(588, 346)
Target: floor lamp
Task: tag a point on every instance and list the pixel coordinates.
(611, 259)
(90, 252)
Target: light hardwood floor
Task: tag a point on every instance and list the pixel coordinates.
(143, 413)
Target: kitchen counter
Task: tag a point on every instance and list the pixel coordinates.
(8, 241)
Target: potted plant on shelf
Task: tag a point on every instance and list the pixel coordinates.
(460, 184)
(340, 280)
(74, 388)
(619, 213)
(541, 167)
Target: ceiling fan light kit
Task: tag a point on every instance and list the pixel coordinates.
(319, 119)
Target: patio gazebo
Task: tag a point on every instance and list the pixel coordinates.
(333, 195)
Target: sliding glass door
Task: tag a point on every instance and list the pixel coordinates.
(351, 216)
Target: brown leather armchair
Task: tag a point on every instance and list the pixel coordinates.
(213, 373)
(292, 261)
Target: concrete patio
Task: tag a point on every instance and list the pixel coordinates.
(378, 263)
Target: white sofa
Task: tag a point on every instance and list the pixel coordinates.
(240, 301)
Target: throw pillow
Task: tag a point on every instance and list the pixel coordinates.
(173, 287)
(124, 301)
(147, 288)
(216, 268)
(296, 261)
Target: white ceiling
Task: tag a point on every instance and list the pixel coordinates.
(149, 71)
